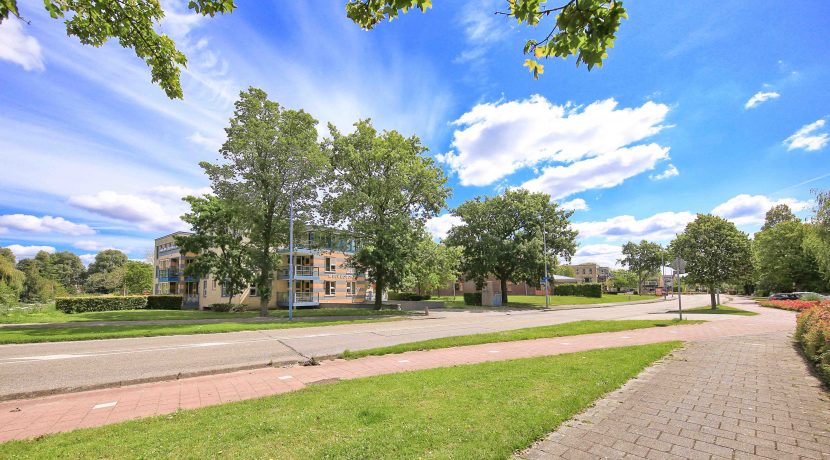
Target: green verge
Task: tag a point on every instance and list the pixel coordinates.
(541, 332)
(72, 333)
(46, 313)
(480, 411)
(538, 301)
(719, 310)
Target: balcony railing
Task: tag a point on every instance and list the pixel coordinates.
(299, 298)
(168, 273)
(304, 271)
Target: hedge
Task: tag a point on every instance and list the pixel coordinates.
(164, 302)
(472, 298)
(108, 303)
(408, 296)
(812, 332)
(579, 290)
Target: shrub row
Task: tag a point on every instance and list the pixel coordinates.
(579, 290)
(472, 298)
(226, 307)
(792, 305)
(812, 332)
(113, 303)
(408, 296)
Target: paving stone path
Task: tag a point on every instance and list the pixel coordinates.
(738, 397)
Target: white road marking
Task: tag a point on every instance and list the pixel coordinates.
(625, 337)
(494, 351)
(46, 357)
(104, 405)
(564, 343)
(404, 361)
(285, 377)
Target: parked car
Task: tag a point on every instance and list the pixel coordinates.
(784, 296)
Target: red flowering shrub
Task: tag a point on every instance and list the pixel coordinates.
(812, 331)
(793, 305)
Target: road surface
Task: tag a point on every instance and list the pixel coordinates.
(43, 368)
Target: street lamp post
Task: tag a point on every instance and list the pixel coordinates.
(291, 257)
(545, 254)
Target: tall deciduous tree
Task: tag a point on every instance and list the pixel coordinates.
(436, 266)
(11, 279)
(624, 279)
(67, 269)
(817, 238)
(382, 190)
(643, 259)
(584, 28)
(106, 273)
(501, 236)
(271, 156)
(715, 252)
(138, 277)
(777, 214)
(218, 242)
(781, 263)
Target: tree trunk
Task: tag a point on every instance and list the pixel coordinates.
(263, 307)
(379, 285)
(504, 292)
(263, 300)
(712, 297)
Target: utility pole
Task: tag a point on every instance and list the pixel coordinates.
(291, 257)
(663, 274)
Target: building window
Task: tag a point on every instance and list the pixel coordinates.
(329, 288)
(253, 292)
(204, 288)
(351, 288)
(330, 265)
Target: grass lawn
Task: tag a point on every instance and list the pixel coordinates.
(46, 313)
(720, 310)
(557, 330)
(538, 301)
(481, 411)
(71, 333)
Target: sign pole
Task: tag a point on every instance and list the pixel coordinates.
(545, 250)
(291, 258)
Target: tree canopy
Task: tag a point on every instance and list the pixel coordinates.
(501, 236)
(777, 214)
(436, 266)
(382, 189)
(715, 252)
(781, 262)
(817, 237)
(271, 157)
(643, 259)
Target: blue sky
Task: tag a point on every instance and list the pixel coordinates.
(717, 107)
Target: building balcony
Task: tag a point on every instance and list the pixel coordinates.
(169, 251)
(301, 299)
(301, 272)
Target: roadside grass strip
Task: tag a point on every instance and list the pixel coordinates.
(72, 333)
(719, 310)
(541, 332)
(480, 411)
(46, 313)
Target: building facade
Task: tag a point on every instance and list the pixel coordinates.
(321, 276)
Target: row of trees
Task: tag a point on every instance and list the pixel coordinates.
(374, 187)
(785, 255)
(49, 275)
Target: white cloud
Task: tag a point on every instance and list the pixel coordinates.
(493, 140)
(18, 47)
(605, 171)
(45, 224)
(806, 138)
(89, 245)
(606, 255)
(87, 258)
(671, 171)
(482, 29)
(27, 252)
(661, 226)
(161, 214)
(439, 226)
(577, 204)
(210, 143)
(759, 98)
(747, 209)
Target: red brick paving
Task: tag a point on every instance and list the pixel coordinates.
(28, 418)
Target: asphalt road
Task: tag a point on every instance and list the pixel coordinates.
(37, 369)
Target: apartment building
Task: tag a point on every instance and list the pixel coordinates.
(320, 276)
(590, 272)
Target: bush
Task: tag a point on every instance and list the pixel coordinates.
(792, 305)
(164, 302)
(221, 307)
(579, 290)
(472, 298)
(812, 296)
(812, 332)
(408, 296)
(108, 303)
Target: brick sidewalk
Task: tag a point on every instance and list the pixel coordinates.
(29, 418)
(740, 397)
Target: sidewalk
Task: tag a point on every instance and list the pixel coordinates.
(739, 397)
(29, 418)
